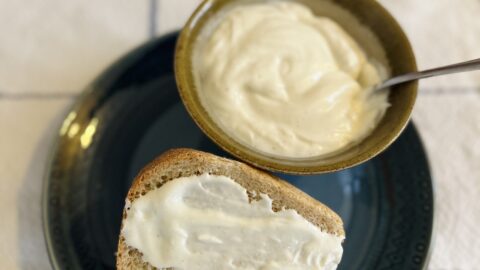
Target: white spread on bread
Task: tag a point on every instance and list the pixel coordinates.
(286, 82)
(207, 222)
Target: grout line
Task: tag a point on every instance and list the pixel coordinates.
(152, 18)
(42, 96)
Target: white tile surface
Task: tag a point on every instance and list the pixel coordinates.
(441, 32)
(450, 128)
(172, 15)
(28, 127)
(60, 46)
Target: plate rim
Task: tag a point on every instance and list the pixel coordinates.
(55, 143)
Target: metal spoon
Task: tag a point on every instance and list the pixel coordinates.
(455, 68)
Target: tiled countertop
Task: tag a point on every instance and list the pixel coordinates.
(51, 49)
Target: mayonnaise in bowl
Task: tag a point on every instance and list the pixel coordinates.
(285, 82)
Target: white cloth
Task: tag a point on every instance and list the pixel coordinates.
(50, 49)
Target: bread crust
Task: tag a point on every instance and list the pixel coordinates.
(183, 162)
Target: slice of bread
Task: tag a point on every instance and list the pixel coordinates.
(178, 163)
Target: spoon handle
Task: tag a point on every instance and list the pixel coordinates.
(455, 68)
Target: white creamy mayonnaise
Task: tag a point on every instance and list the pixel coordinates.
(283, 81)
(207, 222)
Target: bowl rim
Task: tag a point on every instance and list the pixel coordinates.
(241, 151)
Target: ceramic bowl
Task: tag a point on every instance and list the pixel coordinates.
(354, 16)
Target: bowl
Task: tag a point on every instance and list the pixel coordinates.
(355, 16)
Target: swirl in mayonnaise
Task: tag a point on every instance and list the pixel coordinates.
(283, 81)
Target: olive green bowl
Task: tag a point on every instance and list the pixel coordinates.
(368, 14)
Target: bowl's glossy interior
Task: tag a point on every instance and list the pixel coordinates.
(398, 54)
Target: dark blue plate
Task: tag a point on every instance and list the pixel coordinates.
(132, 113)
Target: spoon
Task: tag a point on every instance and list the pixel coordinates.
(455, 68)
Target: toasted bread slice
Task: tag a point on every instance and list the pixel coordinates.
(178, 163)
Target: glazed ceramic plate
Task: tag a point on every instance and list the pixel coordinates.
(132, 113)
